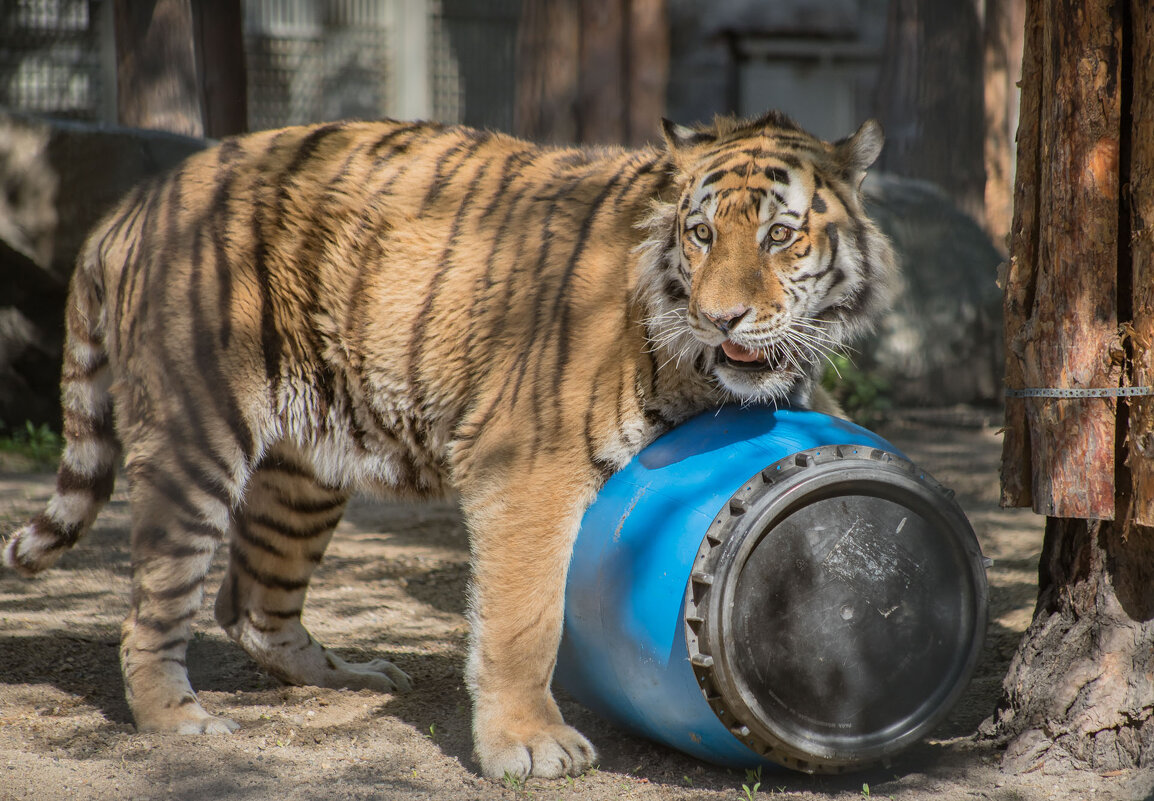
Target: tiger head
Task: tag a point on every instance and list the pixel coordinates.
(765, 262)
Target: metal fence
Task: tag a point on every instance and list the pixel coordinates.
(307, 60)
(50, 57)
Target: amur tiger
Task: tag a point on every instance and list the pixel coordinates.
(298, 314)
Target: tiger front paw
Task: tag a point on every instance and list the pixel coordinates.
(552, 751)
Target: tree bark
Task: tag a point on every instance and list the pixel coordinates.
(223, 76)
(1080, 690)
(591, 71)
(180, 66)
(548, 55)
(1139, 190)
(156, 83)
(648, 69)
(1002, 28)
(1065, 259)
(601, 112)
(930, 98)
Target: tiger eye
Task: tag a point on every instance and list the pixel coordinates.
(703, 233)
(780, 233)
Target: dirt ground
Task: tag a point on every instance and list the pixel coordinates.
(392, 585)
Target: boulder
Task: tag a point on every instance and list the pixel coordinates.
(941, 344)
(57, 179)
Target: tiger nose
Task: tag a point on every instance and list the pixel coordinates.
(726, 320)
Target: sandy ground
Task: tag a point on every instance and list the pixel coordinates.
(392, 586)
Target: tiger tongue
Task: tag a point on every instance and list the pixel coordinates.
(740, 353)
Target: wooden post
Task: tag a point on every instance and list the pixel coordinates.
(1079, 690)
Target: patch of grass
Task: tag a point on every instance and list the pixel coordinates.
(863, 395)
(754, 779)
(512, 781)
(40, 445)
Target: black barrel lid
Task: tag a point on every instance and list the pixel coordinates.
(836, 609)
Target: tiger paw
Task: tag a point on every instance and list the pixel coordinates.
(190, 718)
(553, 751)
(380, 675)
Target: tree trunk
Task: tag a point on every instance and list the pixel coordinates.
(930, 97)
(591, 71)
(548, 54)
(180, 66)
(219, 32)
(1062, 288)
(1002, 27)
(648, 69)
(601, 111)
(156, 84)
(1080, 690)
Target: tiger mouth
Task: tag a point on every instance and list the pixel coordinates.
(739, 357)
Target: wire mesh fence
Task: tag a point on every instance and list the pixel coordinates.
(307, 60)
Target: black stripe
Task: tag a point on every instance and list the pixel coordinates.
(62, 535)
(561, 308)
(305, 506)
(477, 336)
(267, 579)
(279, 464)
(135, 271)
(714, 177)
(167, 645)
(161, 625)
(832, 235)
(172, 491)
(208, 362)
(246, 534)
(417, 336)
(777, 175)
(441, 178)
(289, 531)
(216, 222)
(387, 139)
(261, 628)
(306, 149)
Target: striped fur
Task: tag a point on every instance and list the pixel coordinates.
(300, 314)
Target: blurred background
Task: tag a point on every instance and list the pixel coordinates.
(939, 74)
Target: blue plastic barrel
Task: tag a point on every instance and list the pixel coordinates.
(773, 585)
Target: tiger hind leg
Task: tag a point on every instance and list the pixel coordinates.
(179, 518)
(278, 539)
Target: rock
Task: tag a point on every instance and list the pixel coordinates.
(942, 343)
(56, 180)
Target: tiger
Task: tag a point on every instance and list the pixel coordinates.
(428, 310)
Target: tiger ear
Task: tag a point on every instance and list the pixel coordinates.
(856, 153)
(681, 137)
